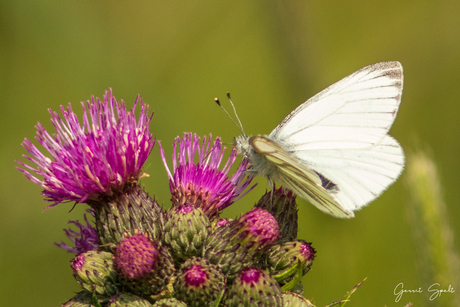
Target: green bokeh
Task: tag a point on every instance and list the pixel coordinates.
(272, 56)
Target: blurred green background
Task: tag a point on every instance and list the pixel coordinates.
(272, 56)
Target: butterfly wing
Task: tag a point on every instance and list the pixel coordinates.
(293, 175)
(341, 134)
(354, 112)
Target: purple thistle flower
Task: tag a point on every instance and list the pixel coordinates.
(85, 240)
(201, 183)
(94, 158)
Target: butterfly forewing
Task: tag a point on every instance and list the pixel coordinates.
(354, 112)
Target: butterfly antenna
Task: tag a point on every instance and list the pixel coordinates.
(236, 114)
(229, 116)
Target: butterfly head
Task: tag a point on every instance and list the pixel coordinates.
(241, 144)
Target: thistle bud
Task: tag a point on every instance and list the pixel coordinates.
(132, 210)
(169, 302)
(143, 266)
(235, 245)
(198, 283)
(281, 203)
(186, 231)
(284, 259)
(254, 287)
(95, 272)
(128, 300)
(84, 299)
(295, 300)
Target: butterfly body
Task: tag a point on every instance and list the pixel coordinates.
(258, 160)
(333, 150)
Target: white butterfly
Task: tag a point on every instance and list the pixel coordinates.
(333, 150)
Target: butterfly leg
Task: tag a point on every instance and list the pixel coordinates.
(251, 172)
(271, 184)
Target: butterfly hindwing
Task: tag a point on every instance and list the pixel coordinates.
(296, 176)
(361, 174)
